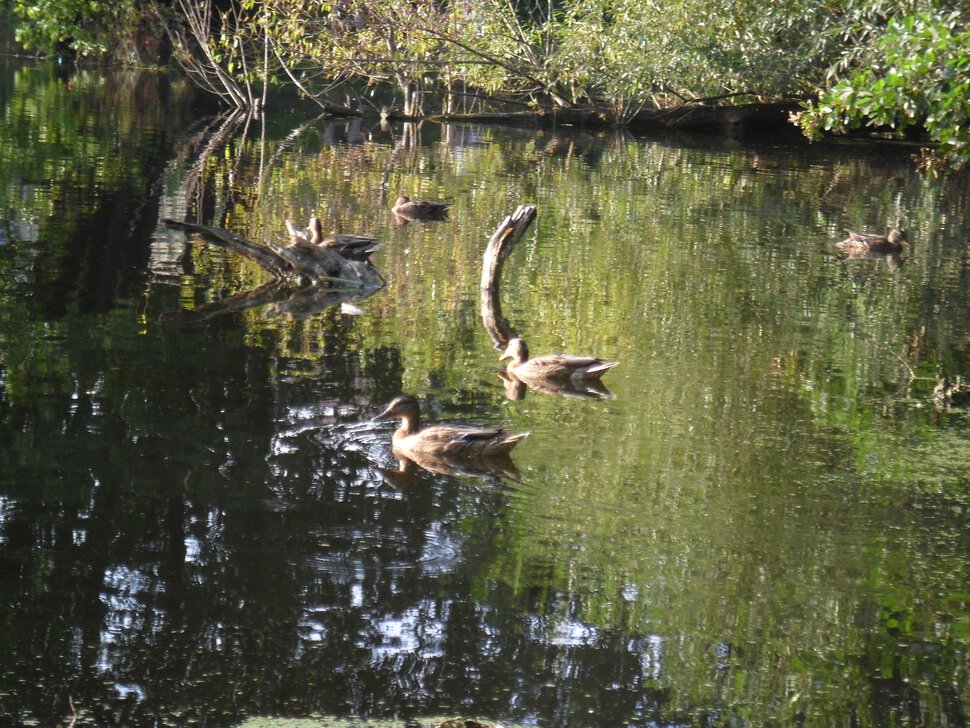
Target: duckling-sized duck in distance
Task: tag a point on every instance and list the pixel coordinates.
(954, 394)
(420, 209)
(552, 366)
(890, 243)
(444, 439)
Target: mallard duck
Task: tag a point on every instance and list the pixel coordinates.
(444, 439)
(889, 243)
(552, 366)
(955, 394)
(420, 209)
(352, 247)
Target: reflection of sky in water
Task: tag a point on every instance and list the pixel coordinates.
(648, 650)
(123, 606)
(124, 617)
(419, 630)
(441, 552)
(209, 540)
(571, 633)
(7, 505)
(192, 549)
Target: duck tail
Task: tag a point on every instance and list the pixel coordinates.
(508, 441)
(598, 370)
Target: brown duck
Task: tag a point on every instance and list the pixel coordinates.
(444, 439)
(351, 247)
(892, 242)
(552, 366)
(420, 209)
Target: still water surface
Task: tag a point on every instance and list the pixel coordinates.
(764, 524)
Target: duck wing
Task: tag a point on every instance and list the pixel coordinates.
(559, 365)
(453, 439)
(353, 247)
(867, 238)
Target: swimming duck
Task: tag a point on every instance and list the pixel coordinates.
(442, 439)
(552, 366)
(420, 209)
(957, 395)
(890, 243)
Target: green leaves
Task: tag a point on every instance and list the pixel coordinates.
(85, 27)
(920, 80)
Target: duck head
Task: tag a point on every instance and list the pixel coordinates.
(404, 407)
(897, 236)
(517, 350)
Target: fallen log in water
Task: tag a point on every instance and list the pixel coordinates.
(297, 265)
(499, 246)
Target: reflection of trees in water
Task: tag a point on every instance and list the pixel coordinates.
(190, 514)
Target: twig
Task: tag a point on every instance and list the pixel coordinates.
(909, 369)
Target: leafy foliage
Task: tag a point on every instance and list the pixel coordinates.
(920, 79)
(82, 27)
(896, 63)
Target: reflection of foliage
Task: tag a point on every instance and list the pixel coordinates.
(62, 139)
(758, 519)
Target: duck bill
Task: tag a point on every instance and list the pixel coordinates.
(385, 415)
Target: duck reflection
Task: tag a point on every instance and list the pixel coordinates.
(894, 261)
(517, 386)
(476, 466)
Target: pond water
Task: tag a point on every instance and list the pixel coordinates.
(764, 523)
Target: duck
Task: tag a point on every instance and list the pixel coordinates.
(443, 439)
(892, 242)
(955, 394)
(410, 209)
(351, 247)
(552, 366)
